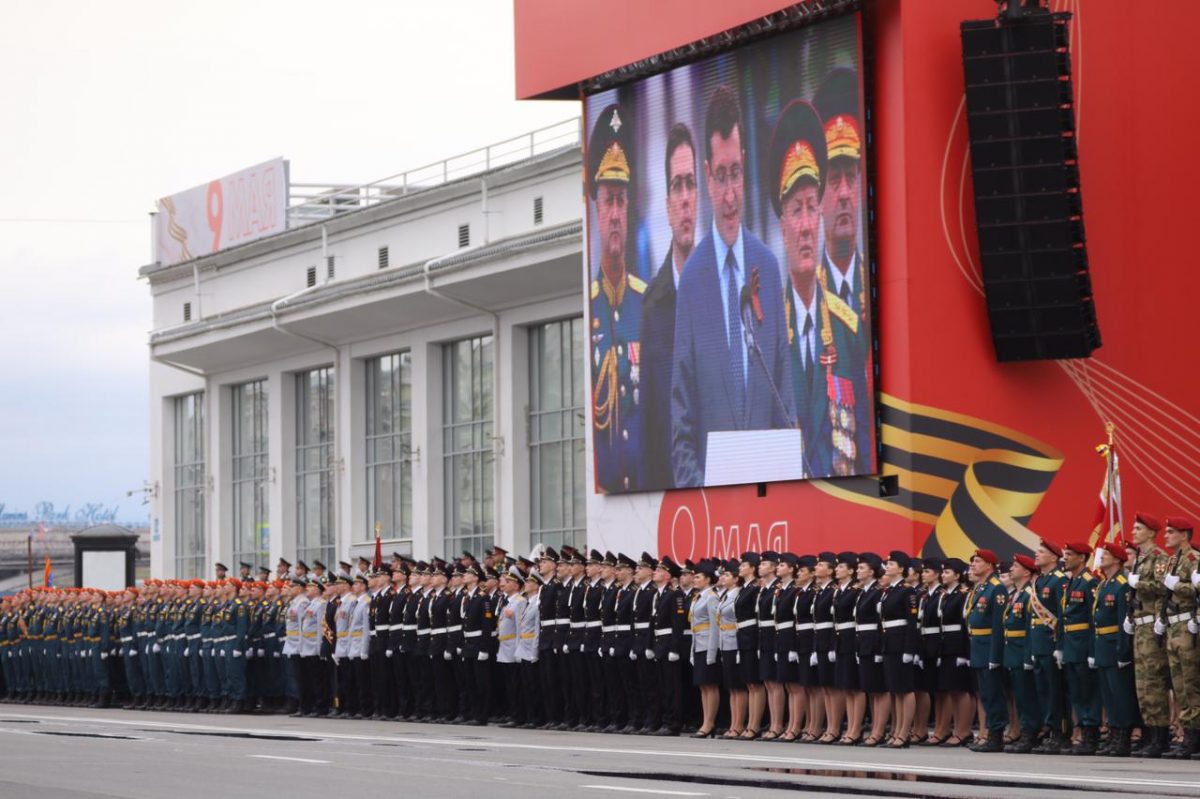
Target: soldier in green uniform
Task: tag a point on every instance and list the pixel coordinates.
(984, 616)
(1075, 646)
(1151, 674)
(1113, 650)
(1178, 611)
(1018, 653)
(616, 309)
(1046, 604)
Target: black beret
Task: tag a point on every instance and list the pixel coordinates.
(901, 559)
(871, 559)
(955, 564)
(933, 564)
(318, 564)
(770, 555)
(753, 558)
(245, 566)
(828, 557)
(789, 559)
(806, 562)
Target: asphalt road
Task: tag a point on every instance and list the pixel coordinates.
(71, 753)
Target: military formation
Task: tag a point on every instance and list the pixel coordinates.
(1068, 651)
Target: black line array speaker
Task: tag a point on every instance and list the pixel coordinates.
(1028, 209)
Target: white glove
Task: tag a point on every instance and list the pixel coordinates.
(262, 653)
(832, 656)
(483, 656)
(692, 657)
(364, 656)
(1171, 580)
(672, 657)
(566, 649)
(906, 658)
(793, 657)
(812, 659)
(1058, 657)
(1133, 580)
(938, 663)
(920, 663)
(612, 651)
(993, 666)
(237, 653)
(104, 656)
(775, 657)
(446, 655)
(857, 660)
(275, 654)
(737, 658)
(249, 654)
(337, 661)
(879, 658)
(599, 651)
(157, 649)
(1193, 628)
(1127, 626)
(1196, 577)
(388, 653)
(1121, 665)
(1027, 666)
(458, 650)
(1091, 663)
(632, 655)
(187, 652)
(132, 653)
(222, 653)
(712, 658)
(1159, 627)
(649, 654)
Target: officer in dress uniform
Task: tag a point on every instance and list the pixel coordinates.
(1018, 654)
(528, 632)
(593, 635)
(360, 654)
(1049, 586)
(1151, 672)
(984, 618)
(1075, 647)
(308, 650)
(668, 620)
(508, 622)
(616, 309)
(1114, 650)
(478, 621)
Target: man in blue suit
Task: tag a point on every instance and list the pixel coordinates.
(731, 369)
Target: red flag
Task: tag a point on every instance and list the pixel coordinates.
(378, 562)
(48, 575)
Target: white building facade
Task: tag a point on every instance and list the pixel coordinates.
(417, 364)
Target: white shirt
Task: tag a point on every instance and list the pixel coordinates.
(808, 341)
(739, 276)
(847, 277)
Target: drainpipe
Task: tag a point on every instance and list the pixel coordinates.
(497, 399)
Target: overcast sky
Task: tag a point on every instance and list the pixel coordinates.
(105, 107)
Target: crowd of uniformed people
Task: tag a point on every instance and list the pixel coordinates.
(1068, 651)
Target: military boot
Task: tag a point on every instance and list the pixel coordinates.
(994, 742)
(1087, 745)
(1024, 744)
(1185, 750)
(1051, 745)
(1119, 738)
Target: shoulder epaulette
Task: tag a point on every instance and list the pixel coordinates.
(842, 311)
(237, 601)
(1121, 579)
(993, 581)
(1058, 573)
(636, 283)
(1087, 577)
(595, 289)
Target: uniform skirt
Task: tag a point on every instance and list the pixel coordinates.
(952, 678)
(748, 668)
(845, 672)
(766, 667)
(806, 673)
(825, 671)
(703, 673)
(731, 671)
(785, 669)
(870, 675)
(898, 677)
(927, 677)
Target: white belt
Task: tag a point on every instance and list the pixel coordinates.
(577, 625)
(807, 625)
(472, 633)
(862, 628)
(549, 623)
(143, 634)
(641, 625)
(592, 624)
(406, 627)
(193, 637)
(268, 635)
(845, 625)
(951, 628)
(767, 623)
(894, 623)
(823, 625)
(438, 631)
(562, 621)
(454, 628)
(1143, 620)
(620, 628)
(930, 630)
(126, 639)
(663, 631)
(422, 632)
(1179, 617)
(747, 623)
(606, 629)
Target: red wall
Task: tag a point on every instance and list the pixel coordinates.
(1135, 76)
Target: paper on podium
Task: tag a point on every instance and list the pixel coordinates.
(754, 456)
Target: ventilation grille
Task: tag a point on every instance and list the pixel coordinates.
(329, 267)
(383, 257)
(310, 278)
(537, 210)
(187, 312)
(464, 235)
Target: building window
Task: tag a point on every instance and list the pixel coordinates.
(389, 447)
(190, 480)
(251, 530)
(558, 504)
(468, 455)
(316, 470)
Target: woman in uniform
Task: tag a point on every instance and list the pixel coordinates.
(746, 608)
(848, 702)
(898, 624)
(929, 646)
(729, 586)
(783, 606)
(867, 645)
(705, 645)
(955, 703)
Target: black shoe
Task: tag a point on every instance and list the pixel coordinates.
(1050, 745)
(1087, 744)
(666, 732)
(1024, 744)
(1155, 740)
(994, 742)
(1120, 742)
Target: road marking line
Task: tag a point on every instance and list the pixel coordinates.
(292, 759)
(770, 759)
(641, 790)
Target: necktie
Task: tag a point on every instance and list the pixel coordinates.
(736, 346)
(806, 338)
(844, 291)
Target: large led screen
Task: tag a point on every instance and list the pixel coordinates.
(729, 293)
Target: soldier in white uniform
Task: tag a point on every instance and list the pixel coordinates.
(312, 688)
(359, 653)
(348, 700)
(706, 643)
(297, 603)
(508, 620)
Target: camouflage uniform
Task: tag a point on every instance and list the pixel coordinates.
(1181, 644)
(1149, 654)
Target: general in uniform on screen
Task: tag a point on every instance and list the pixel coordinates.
(729, 303)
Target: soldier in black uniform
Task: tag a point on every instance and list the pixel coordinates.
(623, 666)
(548, 662)
(478, 622)
(645, 707)
(399, 646)
(668, 620)
(598, 712)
